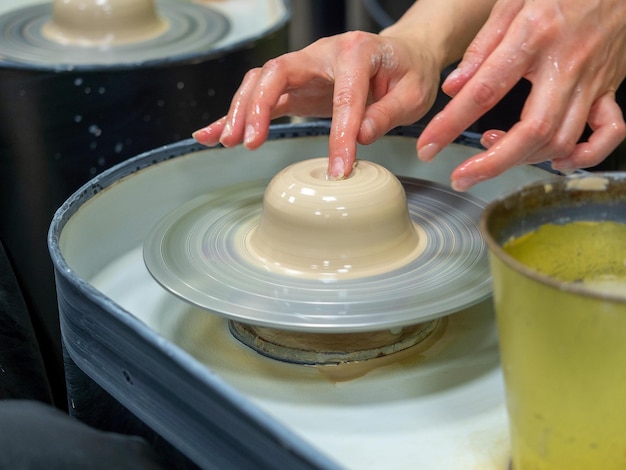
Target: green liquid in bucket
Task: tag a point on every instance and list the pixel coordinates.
(593, 253)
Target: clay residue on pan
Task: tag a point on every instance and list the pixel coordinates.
(588, 183)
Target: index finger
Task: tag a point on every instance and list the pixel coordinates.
(352, 74)
(482, 92)
(497, 75)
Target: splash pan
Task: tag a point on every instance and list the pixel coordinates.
(197, 252)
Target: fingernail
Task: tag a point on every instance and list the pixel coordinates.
(428, 152)
(368, 130)
(249, 135)
(455, 74)
(563, 168)
(205, 137)
(228, 130)
(490, 138)
(337, 169)
(462, 184)
(459, 72)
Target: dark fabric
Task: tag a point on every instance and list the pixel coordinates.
(36, 436)
(33, 433)
(95, 407)
(22, 372)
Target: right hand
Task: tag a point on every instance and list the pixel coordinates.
(574, 54)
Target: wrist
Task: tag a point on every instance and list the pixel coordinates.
(444, 27)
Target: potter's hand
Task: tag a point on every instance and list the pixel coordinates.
(574, 54)
(367, 83)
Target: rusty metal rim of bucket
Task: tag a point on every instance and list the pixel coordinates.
(578, 206)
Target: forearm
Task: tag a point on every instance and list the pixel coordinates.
(446, 26)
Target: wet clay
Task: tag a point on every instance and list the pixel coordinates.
(330, 348)
(91, 23)
(315, 227)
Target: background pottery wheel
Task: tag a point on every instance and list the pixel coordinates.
(197, 252)
(103, 22)
(192, 29)
(90, 116)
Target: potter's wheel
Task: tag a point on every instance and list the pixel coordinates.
(191, 29)
(197, 252)
(442, 409)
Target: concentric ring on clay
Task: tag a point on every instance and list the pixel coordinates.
(195, 252)
(193, 29)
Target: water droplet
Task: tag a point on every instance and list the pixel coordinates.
(95, 130)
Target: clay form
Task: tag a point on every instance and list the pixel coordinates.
(312, 226)
(103, 22)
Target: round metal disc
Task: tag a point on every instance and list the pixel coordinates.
(197, 252)
(192, 29)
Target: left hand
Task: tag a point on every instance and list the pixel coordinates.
(368, 83)
(574, 54)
